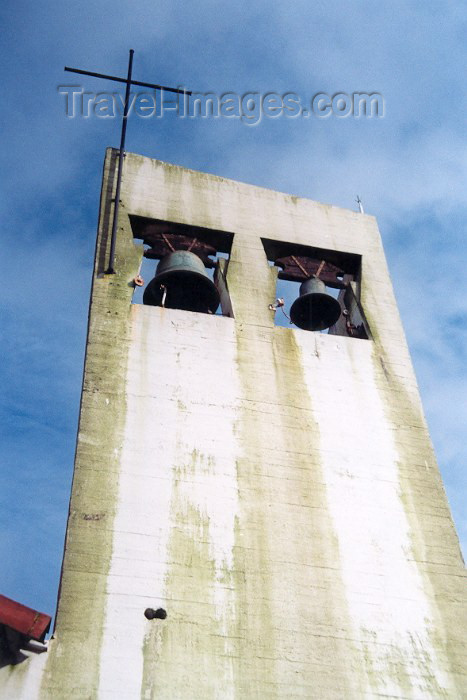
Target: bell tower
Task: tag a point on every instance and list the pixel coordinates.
(256, 509)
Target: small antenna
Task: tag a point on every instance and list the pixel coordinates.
(360, 204)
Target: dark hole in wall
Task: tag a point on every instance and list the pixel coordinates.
(338, 270)
(160, 238)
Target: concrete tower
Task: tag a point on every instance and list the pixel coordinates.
(272, 490)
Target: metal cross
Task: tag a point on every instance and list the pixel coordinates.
(110, 270)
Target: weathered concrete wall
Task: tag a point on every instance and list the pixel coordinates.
(274, 490)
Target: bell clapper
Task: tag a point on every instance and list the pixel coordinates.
(164, 295)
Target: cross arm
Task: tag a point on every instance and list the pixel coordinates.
(124, 80)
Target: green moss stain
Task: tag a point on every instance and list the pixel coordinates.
(180, 658)
(72, 667)
(434, 545)
(154, 640)
(292, 620)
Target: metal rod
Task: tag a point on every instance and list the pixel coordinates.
(110, 270)
(121, 155)
(321, 265)
(123, 80)
(167, 242)
(297, 262)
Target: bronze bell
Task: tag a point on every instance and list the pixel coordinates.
(315, 309)
(181, 282)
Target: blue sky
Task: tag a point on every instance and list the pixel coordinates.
(409, 167)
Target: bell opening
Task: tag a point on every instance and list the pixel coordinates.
(317, 289)
(191, 274)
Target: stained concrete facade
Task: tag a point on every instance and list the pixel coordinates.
(274, 490)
